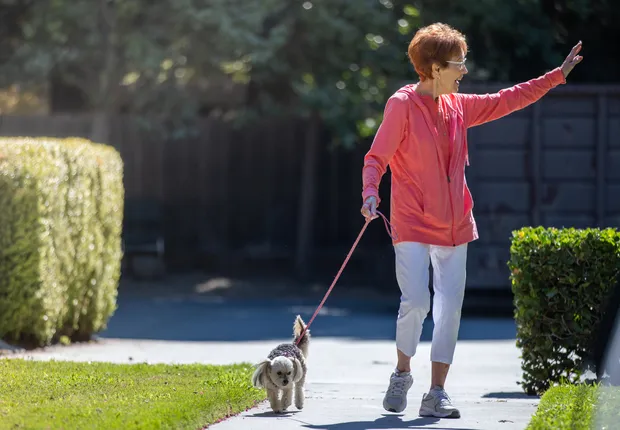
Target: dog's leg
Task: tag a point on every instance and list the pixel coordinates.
(287, 398)
(299, 393)
(274, 401)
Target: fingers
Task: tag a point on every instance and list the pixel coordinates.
(572, 59)
(574, 52)
(365, 210)
(369, 210)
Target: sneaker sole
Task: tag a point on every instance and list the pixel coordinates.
(434, 414)
(394, 410)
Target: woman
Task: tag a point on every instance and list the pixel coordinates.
(423, 137)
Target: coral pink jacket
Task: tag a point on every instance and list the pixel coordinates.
(430, 202)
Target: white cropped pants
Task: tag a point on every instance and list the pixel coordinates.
(412, 274)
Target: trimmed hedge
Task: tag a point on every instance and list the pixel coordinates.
(61, 209)
(561, 279)
(578, 407)
(566, 407)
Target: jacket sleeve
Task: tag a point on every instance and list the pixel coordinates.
(387, 139)
(481, 108)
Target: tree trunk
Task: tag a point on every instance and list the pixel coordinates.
(307, 198)
(106, 99)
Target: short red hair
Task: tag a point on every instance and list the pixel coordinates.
(436, 43)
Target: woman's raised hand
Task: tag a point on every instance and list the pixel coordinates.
(572, 60)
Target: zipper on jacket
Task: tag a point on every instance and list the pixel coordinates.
(452, 210)
(453, 151)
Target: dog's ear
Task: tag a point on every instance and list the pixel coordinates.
(261, 369)
(298, 369)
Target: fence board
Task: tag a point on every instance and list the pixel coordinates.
(497, 228)
(612, 168)
(569, 164)
(555, 163)
(501, 164)
(503, 132)
(506, 197)
(564, 196)
(570, 106)
(568, 132)
(614, 132)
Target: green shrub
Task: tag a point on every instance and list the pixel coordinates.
(577, 407)
(560, 280)
(567, 406)
(61, 206)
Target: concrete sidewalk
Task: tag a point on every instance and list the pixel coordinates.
(352, 354)
(346, 381)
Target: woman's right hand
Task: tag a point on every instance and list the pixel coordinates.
(369, 208)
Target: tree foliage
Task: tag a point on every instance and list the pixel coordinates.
(147, 58)
(338, 59)
(512, 41)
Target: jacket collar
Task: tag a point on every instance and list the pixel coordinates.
(409, 90)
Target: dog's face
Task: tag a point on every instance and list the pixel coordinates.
(281, 371)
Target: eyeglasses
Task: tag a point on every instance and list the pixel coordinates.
(460, 64)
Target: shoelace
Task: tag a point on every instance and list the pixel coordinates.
(444, 399)
(397, 387)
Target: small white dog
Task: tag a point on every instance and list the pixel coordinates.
(284, 370)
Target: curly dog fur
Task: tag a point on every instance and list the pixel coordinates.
(284, 371)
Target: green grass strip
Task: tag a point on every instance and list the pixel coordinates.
(75, 395)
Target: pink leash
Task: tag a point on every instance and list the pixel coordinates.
(391, 232)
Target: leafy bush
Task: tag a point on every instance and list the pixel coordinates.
(565, 407)
(61, 205)
(577, 407)
(560, 280)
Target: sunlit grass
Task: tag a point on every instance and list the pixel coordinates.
(70, 395)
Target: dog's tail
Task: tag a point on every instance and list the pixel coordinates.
(298, 327)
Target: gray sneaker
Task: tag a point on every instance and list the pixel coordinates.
(438, 404)
(395, 399)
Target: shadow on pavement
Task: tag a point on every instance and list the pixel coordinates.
(385, 422)
(509, 395)
(270, 414)
(196, 318)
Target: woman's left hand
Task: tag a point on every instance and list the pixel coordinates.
(572, 60)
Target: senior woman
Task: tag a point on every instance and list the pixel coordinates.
(423, 138)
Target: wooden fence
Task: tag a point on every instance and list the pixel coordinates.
(236, 192)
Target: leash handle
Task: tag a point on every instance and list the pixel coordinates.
(391, 232)
(389, 227)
